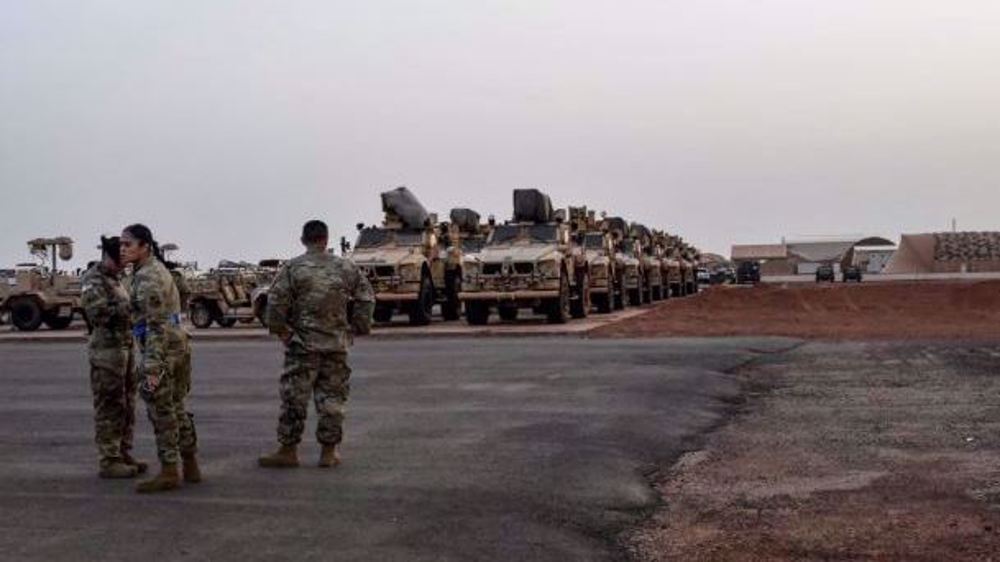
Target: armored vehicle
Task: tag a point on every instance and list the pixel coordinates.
(748, 273)
(852, 273)
(651, 263)
(673, 274)
(224, 295)
(407, 262)
(631, 269)
(599, 249)
(825, 273)
(40, 293)
(689, 267)
(529, 262)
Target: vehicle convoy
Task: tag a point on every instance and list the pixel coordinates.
(628, 263)
(530, 262)
(227, 294)
(652, 265)
(40, 293)
(410, 267)
(599, 248)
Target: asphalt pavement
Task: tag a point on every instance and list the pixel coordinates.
(466, 449)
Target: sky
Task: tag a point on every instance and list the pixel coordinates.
(225, 125)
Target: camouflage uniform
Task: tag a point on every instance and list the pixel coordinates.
(165, 360)
(309, 301)
(112, 370)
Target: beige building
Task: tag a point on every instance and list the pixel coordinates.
(803, 257)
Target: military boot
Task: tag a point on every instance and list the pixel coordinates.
(329, 457)
(140, 466)
(116, 468)
(169, 478)
(192, 473)
(285, 457)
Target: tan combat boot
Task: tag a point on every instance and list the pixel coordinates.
(116, 468)
(169, 478)
(285, 457)
(330, 457)
(192, 473)
(140, 466)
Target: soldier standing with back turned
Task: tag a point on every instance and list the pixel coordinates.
(308, 309)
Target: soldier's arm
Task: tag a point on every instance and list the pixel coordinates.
(154, 351)
(278, 302)
(97, 304)
(364, 302)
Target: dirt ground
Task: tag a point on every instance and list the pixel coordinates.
(905, 310)
(844, 451)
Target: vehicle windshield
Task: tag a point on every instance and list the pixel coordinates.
(375, 237)
(548, 233)
(628, 246)
(594, 241)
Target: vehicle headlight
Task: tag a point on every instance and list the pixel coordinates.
(548, 268)
(409, 272)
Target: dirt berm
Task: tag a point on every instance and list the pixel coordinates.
(910, 311)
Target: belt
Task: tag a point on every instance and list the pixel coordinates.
(139, 330)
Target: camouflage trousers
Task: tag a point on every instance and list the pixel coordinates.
(113, 384)
(326, 377)
(164, 397)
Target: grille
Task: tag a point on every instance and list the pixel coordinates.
(492, 268)
(524, 268)
(384, 271)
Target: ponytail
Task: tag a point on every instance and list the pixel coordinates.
(142, 233)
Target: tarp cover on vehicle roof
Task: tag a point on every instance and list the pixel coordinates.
(404, 204)
(531, 205)
(466, 220)
(641, 232)
(617, 224)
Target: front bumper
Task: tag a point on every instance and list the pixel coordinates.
(501, 296)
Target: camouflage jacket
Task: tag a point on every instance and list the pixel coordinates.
(105, 302)
(310, 299)
(155, 306)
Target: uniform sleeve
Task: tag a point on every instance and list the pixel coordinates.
(98, 304)
(364, 302)
(278, 301)
(151, 296)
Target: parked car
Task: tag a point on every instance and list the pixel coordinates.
(748, 273)
(852, 273)
(824, 273)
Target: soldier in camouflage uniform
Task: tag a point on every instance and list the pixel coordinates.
(112, 371)
(315, 304)
(164, 362)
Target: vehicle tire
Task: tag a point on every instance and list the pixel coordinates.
(602, 303)
(619, 295)
(451, 308)
(559, 307)
(382, 314)
(57, 322)
(635, 295)
(647, 293)
(477, 313)
(508, 313)
(200, 315)
(25, 314)
(423, 307)
(226, 322)
(260, 309)
(580, 306)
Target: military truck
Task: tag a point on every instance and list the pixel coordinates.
(409, 266)
(40, 293)
(599, 248)
(631, 269)
(689, 268)
(673, 274)
(653, 282)
(230, 293)
(531, 262)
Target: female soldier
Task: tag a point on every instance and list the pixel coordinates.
(164, 359)
(112, 372)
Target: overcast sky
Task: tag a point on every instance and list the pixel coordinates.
(225, 124)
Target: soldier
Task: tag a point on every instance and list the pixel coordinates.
(164, 359)
(112, 371)
(315, 303)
